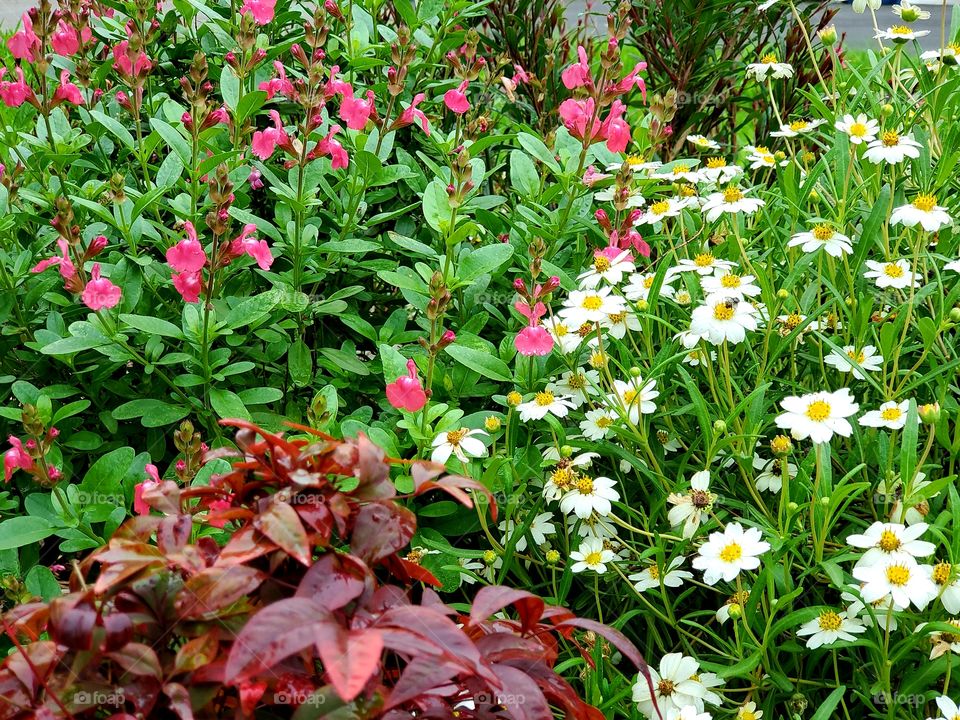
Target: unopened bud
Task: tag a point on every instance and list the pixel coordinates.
(492, 423)
(930, 413)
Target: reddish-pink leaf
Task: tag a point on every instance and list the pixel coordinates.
(179, 699)
(215, 588)
(281, 524)
(521, 695)
(334, 580)
(243, 547)
(454, 485)
(492, 599)
(380, 530)
(349, 657)
(421, 676)
(138, 659)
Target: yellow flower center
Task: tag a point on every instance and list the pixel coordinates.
(925, 203)
(688, 191)
(799, 125)
(603, 422)
(648, 282)
(898, 575)
(577, 381)
(716, 163)
(891, 413)
(818, 411)
(738, 598)
(592, 302)
(893, 270)
(654, 572)
(677, 169)
(888, 541)
(723, 311)
(560, 330)
(665, 688)
(731, 553)
(544, 398)
(768, 59)
(659, 208)
(563, 478)
(762, 150)
(629, 396)
(585, 330)
(941, 573)
(830, 621)
(822, 232)
(890, 139)
(634, 160)
(455, 436)
(703, 260)
(858, 129)
(601, 263)
(514, 398)
(730, 281)
(593, 558)
(584, 485)
(745, 714)
(857, 357)
(732, 195)
(597, 359)
(900, 30)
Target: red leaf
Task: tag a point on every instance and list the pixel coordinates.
(349, 657)
(408, 572)
(380, 530)
(372, 472)
(492, 599)
(281, 524)
(243, 547)
(334, 580)
(421, 676)
(173, 533)
(454, 485)
(215, 588)
(138, 659)
(521, 695)
(179, 699)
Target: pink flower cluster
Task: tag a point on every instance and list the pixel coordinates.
(97, 292)
(534, 339)
(624, 237)
(406, 392)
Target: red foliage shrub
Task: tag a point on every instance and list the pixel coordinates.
(307, 607)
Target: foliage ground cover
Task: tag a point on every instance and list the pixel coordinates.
(670, 314)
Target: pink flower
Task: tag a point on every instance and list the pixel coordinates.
(591, 177)
(627, 83)
(67, 269)
(217, 506)
(100, 293)
(279, 84)
(243, 244)
(68, 92)
(332, 147)
(355, 111)
(188, 285)
(412, 114)
(262, 10)
(255, 182)
(139, 65)
(615, 128)
(65, 40)
(578, 74)
(522, 76)
(16, 458)
(24, 45)
(406, 392)
(577, 115)
(188, 255)
(265, 141)
(153, 479)
(533, 340)
(456, 99)
(14, 94)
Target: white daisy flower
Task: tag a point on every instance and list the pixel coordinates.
(892, 148)
(662, 209)
(698, 356)
(591, 555)
(748, 711)
(859, 362)
(896, 274)
(894, 491)
(727, 553)
(687, 712)
(606, 269)
(540, 527)
(818, 416)
(955, 266)
(618, 324)
(703, 143)
(909, 12)
(589, 495)
(770, 477)
(634, 398)
(544, 403)
(884, 541)
(797, 127)
(900, 34)
(634, 198)
(923, 211)
(564, 335)
(948, 586)
(716, 170)
(639, 285)
(943, 642)
(859, 129)
(723, 319)
(769, 65)
(578, 385)
(680, 171)
(950, 55)
(636, 164)
(593, 527)
(677, 683)
(460, 442)
(598, 423)
(732, 200)
(704, 263)
(761, 158)
(830, 627)
(860, 5)
(825, 237)
(652, 576)
(590, 306)
(739, 600)
(897, 578)
(890, 415)
(468, 569)
(727, 283)
(948, 709)
(689, 509)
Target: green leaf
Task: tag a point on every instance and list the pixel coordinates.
(228, 404)
(175, 141)
(251, 310)
(436, 206)
(523, 175)
(152, 412)
(105, 474)
(24, 530)
(71, 345)
(300, 363)
(114, 127)
(230, 87)
(483, 261)
(152, 325)
(482, 362)
(541, 152)
(825, 711)
(42, 583)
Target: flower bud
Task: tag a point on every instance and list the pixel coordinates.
(489, 558)
(566, 451)
(514, 398)
(783, 294)
(886, 110)
(492, 423)
(955, 315)
(719, 426)
(930, 413)
(635, 372)
(781, 446)
(736, 610)
(828, 36)
(552, 557)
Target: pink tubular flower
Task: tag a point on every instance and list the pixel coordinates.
(577, 115)
(456, 99)
(15, 93)
(68, 92)
(355, 111)
(627, 83)
(591, 177)
(243, 244)
(406, 392)
(153, 479)
(188, 255)
(278, 85)
(139, 65)
(217, 506)
(16, 458)
(265, 141)
(67, 269)
(262, 10)
(255, 182)
(533, 340)
(615, 128)
(578, 74)
(100, 293)
(332, 147)
(412, 114)
(65, 40)
(188, 285)
(24, 45)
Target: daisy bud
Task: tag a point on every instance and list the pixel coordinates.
(792, 506)
(886, 110)
(489, 557)
(909, 13)
(825, 501)
(514, 398)
(642, 305)
(828, 36)
(552, 557)
(782, 294)
(492, 423)
(719, 426)
(814, 196)
(566, 451)
(955, 315)
(930, 413)
(735, 610)
(781, 446)
(798, 703)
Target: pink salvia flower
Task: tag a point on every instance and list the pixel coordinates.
(24, 45)
(65, 40)
(412, 114)
(15, 93)
(406, 392)
(577, 115)
(68, 92)
(533, 340)
(121, 60)
(591, 177)
(456, 99)
(262, 10)
(67, 269)
(278, 85)
(100, 293)
(265, 141)
(615, 128)
(188, 255)
(255, 182)
(16, 458)
(243, 244)
(153, 479)
(356, 111)
(578, 74)
(188, 285)
(332, 147)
